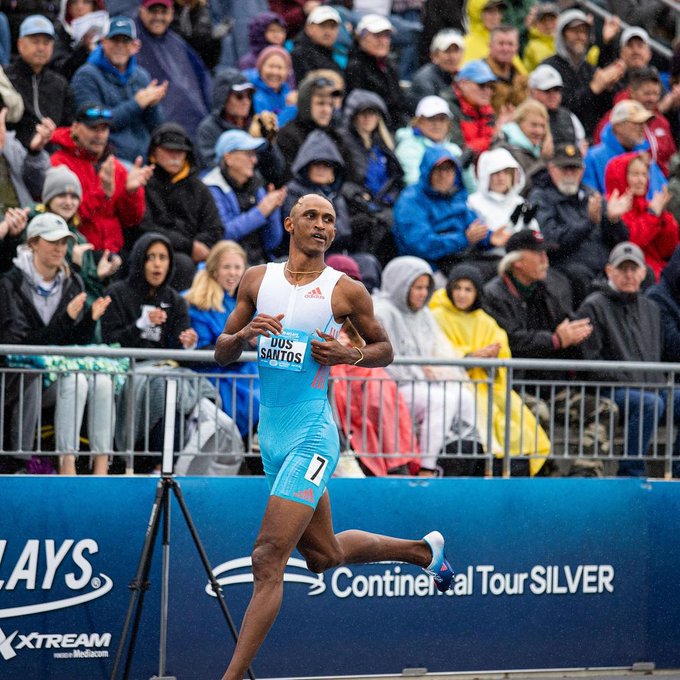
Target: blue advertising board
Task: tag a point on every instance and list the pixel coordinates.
(553, 573)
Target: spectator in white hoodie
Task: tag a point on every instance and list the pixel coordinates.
(499, 205)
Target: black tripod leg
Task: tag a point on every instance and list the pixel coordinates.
(206, 564)
(140, 582)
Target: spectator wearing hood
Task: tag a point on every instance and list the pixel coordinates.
(146, 311)
(232, 109)
(45, 93)
(369, 68)
(575, 221)
(314, 45)
(315, 111)
(250, 213)
(376, 177)
(113, 79)
(270, 79)
(587, 91)
(499, 205)
(319, 168)
(666, 295)
(624, 133)
(169, 58)
(443, 407)
(457, 308)
(178, 204)
(650, 225)
(264, 29)
(432, 219)
(72, 50)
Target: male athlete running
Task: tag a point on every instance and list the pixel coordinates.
(295, 309)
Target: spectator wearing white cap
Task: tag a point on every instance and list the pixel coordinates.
(46, 94)
(588, 92)
(314, 45)
(431, 126)
(369, 68)
(624, 132)
(446, 55)
(545, 86)
(510, 88)
(250, 213)
(43, 302)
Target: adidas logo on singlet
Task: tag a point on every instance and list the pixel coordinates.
(315, 294)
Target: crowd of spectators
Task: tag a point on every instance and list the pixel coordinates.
(505, 178)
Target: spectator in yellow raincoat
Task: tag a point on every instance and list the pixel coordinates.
(473, 332)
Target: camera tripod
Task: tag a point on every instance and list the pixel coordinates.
(140, 584)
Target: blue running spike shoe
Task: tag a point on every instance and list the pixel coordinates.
(440, 568)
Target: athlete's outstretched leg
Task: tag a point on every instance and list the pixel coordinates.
(323, 549)
(283, 523)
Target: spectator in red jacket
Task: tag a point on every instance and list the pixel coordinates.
(113, 197)
(644, 86)
(650, 225)
(470, 102)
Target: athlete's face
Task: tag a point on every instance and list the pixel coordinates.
(311, 225)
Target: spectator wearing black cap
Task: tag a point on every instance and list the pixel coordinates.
(533, 302)
(573, 218)
(112, 78)
(314, 46)
(113, 197)
(46, 94)
(627, 327)
(232, 109)
(178, 204)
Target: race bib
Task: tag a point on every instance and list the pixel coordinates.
(285, 351)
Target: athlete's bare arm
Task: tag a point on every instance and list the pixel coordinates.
(241, 327)
(352, 301)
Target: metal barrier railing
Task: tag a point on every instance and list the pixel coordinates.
(503, 417)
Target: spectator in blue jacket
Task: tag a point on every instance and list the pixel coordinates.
(112, 78)
(250, 213)
(625, 132)
(168, 57)
(431, 218)
(270, 78)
